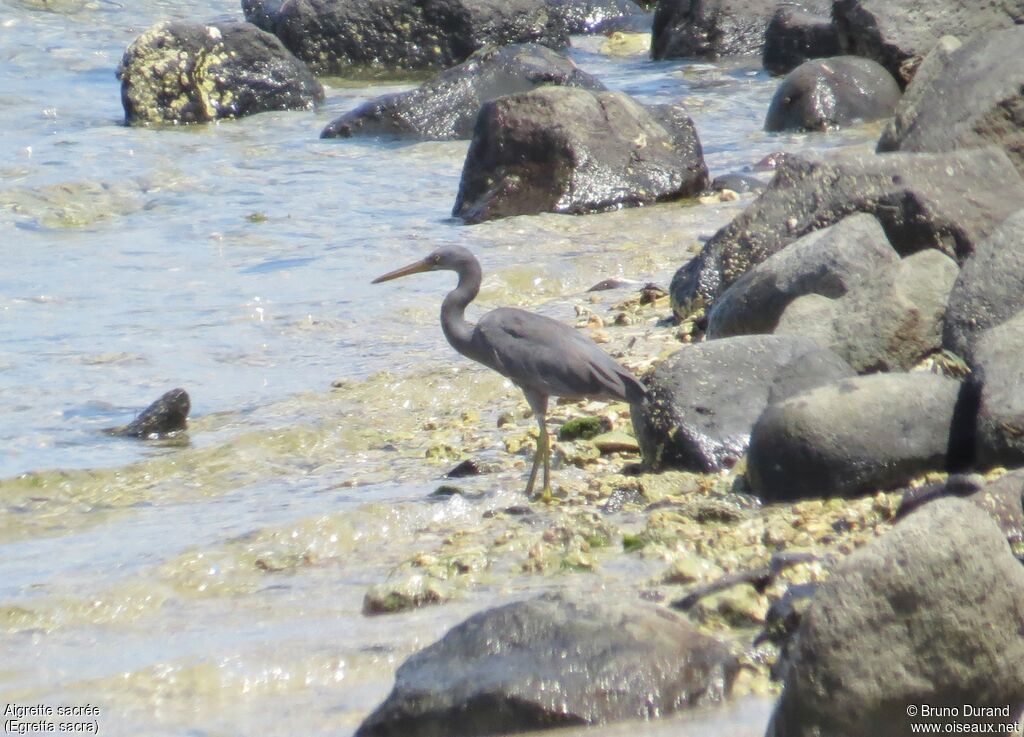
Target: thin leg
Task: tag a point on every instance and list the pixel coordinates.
(545, 444)
(533, 471)
(539, 404)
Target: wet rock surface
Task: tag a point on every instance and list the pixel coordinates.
(593, 16)
(709, 28)
(822, 94)
(566, 150)
(973, 98)
(446, 106)
(795, 35)
(927, 614)
(166, 416)
(737, 183)
(898, 35)
(628, 25)
(853, 436)
(829, 262)
(196, 73)
(553, 661)
(999, 376)
(888, 323)
(334, 36)
(989, 289)
(950, 202)
(262, 13)
(705, 398)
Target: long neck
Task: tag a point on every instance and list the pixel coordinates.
(453, 310)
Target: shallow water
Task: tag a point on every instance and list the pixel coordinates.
(217, 588)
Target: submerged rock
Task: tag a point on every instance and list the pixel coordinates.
(898, 35)
(447, 106)
(553, 661)
(853, 436)
(795, 35)
(166, 416)
(928, 614)
(829, 262)
(195, 73)
(333, 36)
(823, 94)
(974, 98)
(950, 202)
(989, 289)
(739, 183)
(572, 151)
(708, 429)
(409, 592)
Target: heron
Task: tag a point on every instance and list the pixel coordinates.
(541, 356)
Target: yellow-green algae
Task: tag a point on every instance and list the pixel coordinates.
(167, 83)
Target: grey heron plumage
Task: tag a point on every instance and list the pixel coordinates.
(543, 357)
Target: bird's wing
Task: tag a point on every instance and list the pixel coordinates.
(547, 356)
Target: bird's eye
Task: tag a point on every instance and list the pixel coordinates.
(436, 258)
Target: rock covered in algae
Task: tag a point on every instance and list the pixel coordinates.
(553, 661)
(194, 73)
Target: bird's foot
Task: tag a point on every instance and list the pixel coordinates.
(545, 497)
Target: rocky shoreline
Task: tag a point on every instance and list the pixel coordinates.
(822, 496)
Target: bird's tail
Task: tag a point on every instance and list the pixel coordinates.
(636, 392)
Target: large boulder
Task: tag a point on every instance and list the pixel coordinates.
(899, 34)
(706, 397)
(989, 289)
(950, 202)
(888, 323)
(823, 94)
(853, 436)
(196, 72)
(976, 98)
(928, 615)
(447, 105)
(569, 150)
(829, 262)
(795, 35)
(335, 35)
(999, 375)
(709, 28)
(550, 662)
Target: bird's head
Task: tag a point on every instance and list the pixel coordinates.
(446, 258)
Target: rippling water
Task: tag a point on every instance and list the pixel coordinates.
(234, 260)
